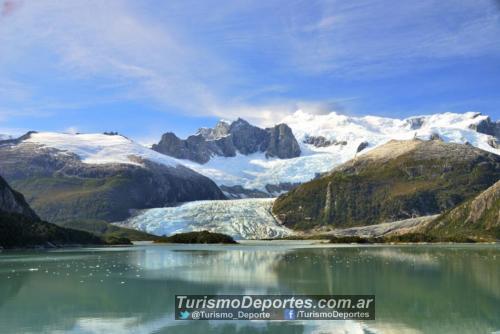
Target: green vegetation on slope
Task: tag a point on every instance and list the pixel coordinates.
(60, 198)
(18, 231)
(398, 180)
(478, 217)
(108, 231)
(21, 227)
(202, 237)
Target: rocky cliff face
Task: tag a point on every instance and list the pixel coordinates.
(320, 141)
(479, 216)
(488, 127)
(60, 186)
(195, 148)
(220, 130)
(21, 227)
(247, 138)
(227, 139)
(398, 180)
(282, 143)
(13, 202)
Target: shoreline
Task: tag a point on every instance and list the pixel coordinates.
(253, 243)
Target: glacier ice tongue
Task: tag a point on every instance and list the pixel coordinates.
(241, 219)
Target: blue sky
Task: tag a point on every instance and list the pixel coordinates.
(146, 67)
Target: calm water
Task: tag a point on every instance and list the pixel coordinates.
(428, 289)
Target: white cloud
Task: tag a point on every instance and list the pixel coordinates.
(71, 130)
(186, 56)
(269, 114)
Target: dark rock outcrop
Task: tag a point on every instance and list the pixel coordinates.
(282, 143)
(362, 146)
(488, 127)
(227, 139)
(248, 139)
(434, 136)
(415, 123)
(15, 141)
(317, 141)
(493, 142)
(240, 192)
(320, 141)
(220, 130)
(195, 148)
(12, 201)
(198, 237)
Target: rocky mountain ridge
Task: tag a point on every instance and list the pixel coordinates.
(229, 139)
(488, 127)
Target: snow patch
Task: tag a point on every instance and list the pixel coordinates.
(100, 148)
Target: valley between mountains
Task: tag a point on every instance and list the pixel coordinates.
(435, 177)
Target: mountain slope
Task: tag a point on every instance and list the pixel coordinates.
(13, 202)
(107, 231)
(324, 141)
(398, 180)
(479, 217)
(98, 177)
(21, 227)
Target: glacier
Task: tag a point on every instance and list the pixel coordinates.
(241, 219)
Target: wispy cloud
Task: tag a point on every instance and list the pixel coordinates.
(10, 89)
(271, 113)
(381, 38)
(112, 41)
(239, 59)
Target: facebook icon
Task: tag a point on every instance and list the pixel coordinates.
(289, 314)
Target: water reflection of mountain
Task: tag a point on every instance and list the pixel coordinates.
(9, 288)
(418, 289)
(423, 288)
(241, 268)
(86, 295)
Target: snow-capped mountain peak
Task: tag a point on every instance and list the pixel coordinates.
(460, 128)
(97, 148)
(328, 140)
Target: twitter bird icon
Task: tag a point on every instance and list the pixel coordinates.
(184, 315)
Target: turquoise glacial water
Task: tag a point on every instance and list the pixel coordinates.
(418, 289)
